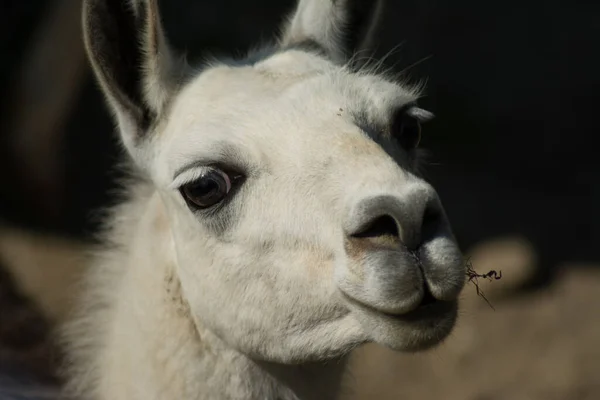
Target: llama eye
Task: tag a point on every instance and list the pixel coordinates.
(207, 190)
(407, 130)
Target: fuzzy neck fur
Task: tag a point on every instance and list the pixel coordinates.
(134, 338)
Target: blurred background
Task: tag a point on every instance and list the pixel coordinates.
(514, 86)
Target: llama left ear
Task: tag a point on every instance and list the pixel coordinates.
(340, 27)
(132, 61)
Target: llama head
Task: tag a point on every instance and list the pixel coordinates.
(300, 226)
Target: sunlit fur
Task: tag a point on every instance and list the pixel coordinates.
(248, 300)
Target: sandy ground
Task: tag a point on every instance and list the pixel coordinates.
(541, 346)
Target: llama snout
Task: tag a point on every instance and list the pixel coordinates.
(400, 252)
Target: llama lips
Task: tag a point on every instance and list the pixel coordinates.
(429, 309)
(425, 312)
(416, 330)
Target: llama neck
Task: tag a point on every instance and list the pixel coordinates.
(156, 350)
(318, 381)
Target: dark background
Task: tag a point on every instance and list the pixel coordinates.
(514, 86)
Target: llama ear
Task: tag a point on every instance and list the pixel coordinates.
(340, 27)
(132, 61)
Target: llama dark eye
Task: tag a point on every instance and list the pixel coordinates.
(207, 190)
(407, 130)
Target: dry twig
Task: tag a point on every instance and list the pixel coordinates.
(473, 277)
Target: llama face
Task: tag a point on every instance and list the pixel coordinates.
(303, 165)
(301, 228)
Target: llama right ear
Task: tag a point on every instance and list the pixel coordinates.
(339, 27)
(132, 61)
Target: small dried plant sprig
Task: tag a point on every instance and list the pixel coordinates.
(473, 277)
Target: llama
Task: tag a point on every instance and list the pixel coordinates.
(274, 220)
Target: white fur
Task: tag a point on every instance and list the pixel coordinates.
(251, 301)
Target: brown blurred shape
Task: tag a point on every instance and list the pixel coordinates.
(39, 103)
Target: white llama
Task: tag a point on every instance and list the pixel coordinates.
(274, 223)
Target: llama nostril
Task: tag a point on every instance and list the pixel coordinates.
(412, 218)
(381, 226)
